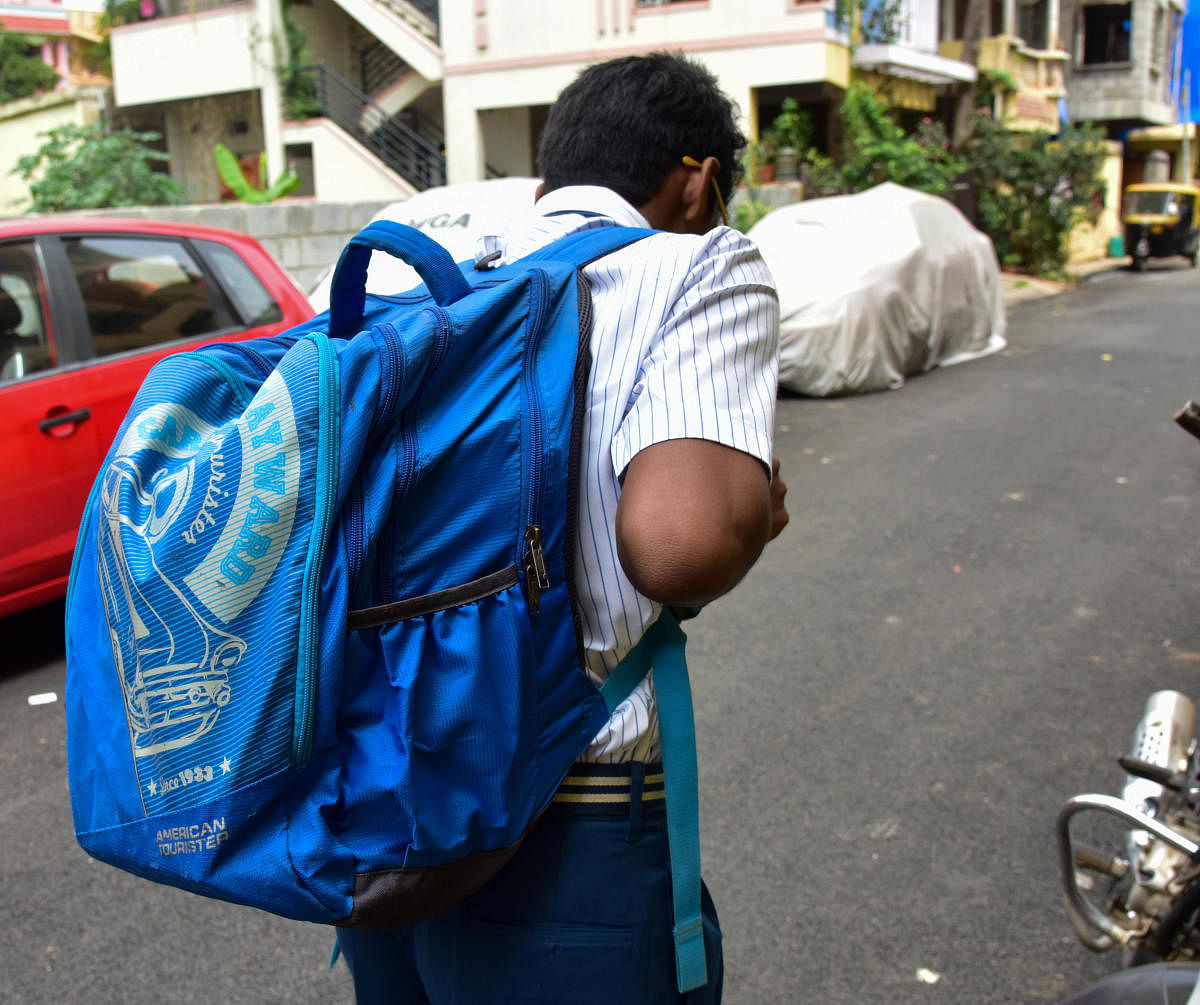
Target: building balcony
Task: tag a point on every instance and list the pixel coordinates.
(1030, 84)
(1037, 70)
(193, 48)
(913, 77)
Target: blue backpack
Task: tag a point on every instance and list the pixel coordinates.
(323, 654)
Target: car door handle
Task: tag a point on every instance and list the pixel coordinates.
(67, 418)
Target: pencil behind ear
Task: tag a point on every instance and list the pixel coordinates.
(702, 198)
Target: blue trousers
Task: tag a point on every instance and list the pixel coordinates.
(582, 915)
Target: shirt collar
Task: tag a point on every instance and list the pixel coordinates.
(591, 199)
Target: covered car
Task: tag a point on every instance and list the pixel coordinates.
(455, 216)
(878, 286)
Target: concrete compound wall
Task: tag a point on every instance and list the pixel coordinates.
(304, 236)
(22, 123)
(1089, 241)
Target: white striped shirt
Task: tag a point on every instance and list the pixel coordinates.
(684, 345)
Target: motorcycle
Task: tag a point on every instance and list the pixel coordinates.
(1145, 899)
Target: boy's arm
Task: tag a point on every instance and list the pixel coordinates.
(697, 504)
(693, 517)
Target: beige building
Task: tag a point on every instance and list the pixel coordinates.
(392, 96)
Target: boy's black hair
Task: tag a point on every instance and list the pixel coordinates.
(628, 122)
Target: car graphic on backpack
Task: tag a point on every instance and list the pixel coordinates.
(174, 664)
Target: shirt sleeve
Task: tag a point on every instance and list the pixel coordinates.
(711, 369)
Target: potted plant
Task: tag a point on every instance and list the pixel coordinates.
(792, 130)
(758, 162)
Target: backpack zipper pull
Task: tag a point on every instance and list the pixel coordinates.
(535, 567)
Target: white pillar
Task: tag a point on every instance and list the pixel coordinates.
(268, 16)
(1053, 15)
(465, 154)
(1010, 20)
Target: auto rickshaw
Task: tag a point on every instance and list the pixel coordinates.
(1160, 221)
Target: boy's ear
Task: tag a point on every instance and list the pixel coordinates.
(684, 203)
(698, 205)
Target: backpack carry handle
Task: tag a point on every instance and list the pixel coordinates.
(348, 293)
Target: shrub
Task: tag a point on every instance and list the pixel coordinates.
(22, 71)
(1033, 189)
(746, 214)
(877, 149)
(89, 167)
(792, 127)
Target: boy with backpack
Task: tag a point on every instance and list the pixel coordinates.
(677, 496)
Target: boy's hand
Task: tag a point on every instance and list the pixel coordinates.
(779, 513)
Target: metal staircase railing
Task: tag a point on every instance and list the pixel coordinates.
(427, 7)
(427, 20)
(378, 66)
(422, 124)
(402, 149)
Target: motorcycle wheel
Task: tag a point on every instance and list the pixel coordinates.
(1139, 263)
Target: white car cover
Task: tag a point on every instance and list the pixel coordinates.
(877, 286)
(455, 216)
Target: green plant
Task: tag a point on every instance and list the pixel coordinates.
(98, 57)
(746, 214)
(22, 71)
(792, 127)
(821, 176)
(989, 84)
(300, 98)
(292, 65)
(91, 167)
(757, 155)
(1033, 189)
(883, 21)
(871, 21)
(876, 149)
(230, 171)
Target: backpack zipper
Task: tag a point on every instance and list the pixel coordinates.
(391, 377)
(408, 458)
(328, 443)
(534, 561)
(583, 368)
(261, 363)
(408, 461)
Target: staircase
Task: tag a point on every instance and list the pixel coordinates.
(409, 29)
(421, 14)
(378, 66)
(401, 147)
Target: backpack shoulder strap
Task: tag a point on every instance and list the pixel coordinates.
(662, 648)
(584, 246)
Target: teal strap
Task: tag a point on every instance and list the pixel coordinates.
(662, 647)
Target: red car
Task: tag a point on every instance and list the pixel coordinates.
(86, 306)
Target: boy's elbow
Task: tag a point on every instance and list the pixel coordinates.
(686, 564)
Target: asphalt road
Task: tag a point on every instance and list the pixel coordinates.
(987, 573)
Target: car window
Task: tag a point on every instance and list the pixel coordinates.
(25, 345)
(250, 298)
(139, 291)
